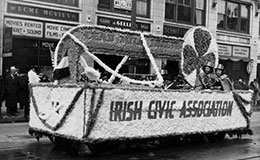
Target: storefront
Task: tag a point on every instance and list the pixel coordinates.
(33, 41)
(236, 61)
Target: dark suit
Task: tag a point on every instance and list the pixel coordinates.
(23, 93)
(1, 92)
(11, 93)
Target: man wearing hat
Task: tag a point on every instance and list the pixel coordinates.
(206, 78)
(222, 80)
(167, 83)
(11, 91)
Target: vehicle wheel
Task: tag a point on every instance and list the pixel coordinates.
(217, 136)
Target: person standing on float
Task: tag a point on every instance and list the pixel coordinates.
(222, 81)
(11, 92)
(205, 79)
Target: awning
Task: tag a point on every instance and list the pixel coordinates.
(234, 53)
(234, 58)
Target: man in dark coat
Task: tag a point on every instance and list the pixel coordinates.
(1, 93)
(11, 92)
(23, 93)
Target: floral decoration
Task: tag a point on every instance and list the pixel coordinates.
(199, 47)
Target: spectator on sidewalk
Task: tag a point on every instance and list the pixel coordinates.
(11, 92)
(23, 94)
(1, 94)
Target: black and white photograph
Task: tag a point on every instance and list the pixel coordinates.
(130, 79)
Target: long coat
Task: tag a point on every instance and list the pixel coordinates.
(1, 90)
(11, 91)
(23, 92)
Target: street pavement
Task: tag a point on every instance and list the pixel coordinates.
(12, 119)
(17, 144)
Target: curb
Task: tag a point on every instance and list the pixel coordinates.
(13, 120)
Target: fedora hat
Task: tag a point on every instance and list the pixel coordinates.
(209, 64)
(164, 72)
(220, 66)
(12, 68)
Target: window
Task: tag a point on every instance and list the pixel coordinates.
(125, 6)
(141, 7)
(185, 11)
(199, 12)
(233, 16)
(221, 14)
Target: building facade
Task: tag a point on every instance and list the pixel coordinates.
(31, 28)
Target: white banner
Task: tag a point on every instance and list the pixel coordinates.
(126, 113)
(25, 27)
(55, 31)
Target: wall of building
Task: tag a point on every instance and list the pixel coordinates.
(88, 13)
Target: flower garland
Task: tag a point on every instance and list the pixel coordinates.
(239, 100)
(64, 117)
(118, 67)
(151, 58)
(93, 113)
(107, 68)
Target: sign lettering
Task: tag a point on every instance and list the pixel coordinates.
(132, 110)
(242, 52)
(25, 27)
(174, 31)
(224, 50)
(122, 24)
(55, 31)
(42, 12)
(123, 4)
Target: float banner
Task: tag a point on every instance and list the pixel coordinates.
(114, 113)
(130, 113)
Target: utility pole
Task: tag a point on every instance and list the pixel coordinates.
(133, 15)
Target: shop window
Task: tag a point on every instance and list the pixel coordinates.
(125, 6)
(233, 16)
(185, 11)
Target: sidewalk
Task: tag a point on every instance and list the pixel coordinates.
(12, 119)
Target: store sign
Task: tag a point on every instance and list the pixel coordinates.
(123, 4)
(111, 22)
(224, 50)
(74, 3)
(22, 27)
(42, 12)
(242, 52)
(174, 31)
(55, 31)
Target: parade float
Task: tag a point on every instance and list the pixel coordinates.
(97, 111)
